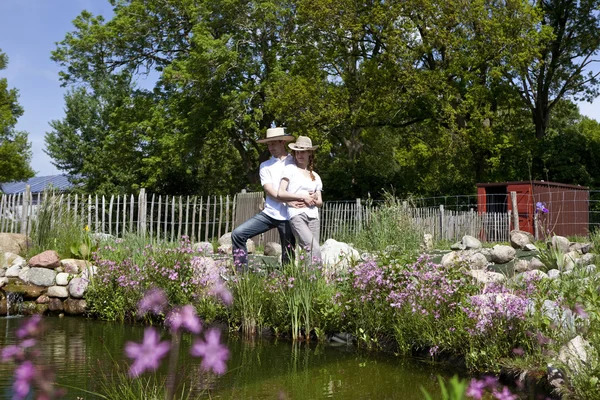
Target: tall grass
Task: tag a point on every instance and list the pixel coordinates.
(389, 225)
(55, 228)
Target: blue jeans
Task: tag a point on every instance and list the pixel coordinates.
(256, 225)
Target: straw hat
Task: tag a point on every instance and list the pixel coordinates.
(276, 134)
(303, 143)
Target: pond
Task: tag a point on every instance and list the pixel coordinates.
(82, 351)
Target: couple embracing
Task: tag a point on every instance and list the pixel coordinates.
(293, 195)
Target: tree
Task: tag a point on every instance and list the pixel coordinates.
(562, 70)
(15, 150)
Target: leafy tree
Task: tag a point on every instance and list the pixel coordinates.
(15, 150)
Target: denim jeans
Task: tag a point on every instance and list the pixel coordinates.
(256, 225)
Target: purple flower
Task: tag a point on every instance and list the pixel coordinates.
(30, 327)
(580, 311)
(184, 317)
(213, 353)
(154, 301)
(147, 355)
(10, 352)
(24, 375)
(505, 394)
(476, 388)
(541, 207)
(220, 290)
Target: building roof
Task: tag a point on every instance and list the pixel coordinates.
(38, 184)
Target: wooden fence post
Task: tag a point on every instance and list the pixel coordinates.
(442, 224)
(359, 216)
(142, 210)
(25, 210)
(515, 209)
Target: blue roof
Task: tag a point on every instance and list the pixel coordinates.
(38, 184)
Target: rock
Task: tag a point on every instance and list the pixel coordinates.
(530, 247)
(62, 279)
(250, 246)
(55, 304)
(58, 291)
(14, 243)
(32, 308)
(569, 260)
(427, 244)
(3, 282)
(560, 243)
(561, 317)
(47, 259)
(78, 287)
(43, 299)
(206, 248)
(476, 260)
(206, 270)
(487, 253)
(575, 354)
(19, 262)
(536, 263)
(591, 269)
(581, 248)
(485, 277)
(338, 256)
(588, 259)
(10, 257)
(533, 275)
(273, 249)
(24, 274)
(450, 258)
(502, 254)
(41, 276)
(74, 266)
(519, 239)
(555, 377)
(457, 246)
(225, 249)
(26, 291)
(471, 243)
(553, 274)
(13, 272)
(521, 266)
(98, 237)
(74, 307)
(225, 239)
(2, 272)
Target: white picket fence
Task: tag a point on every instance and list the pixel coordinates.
(209, 217)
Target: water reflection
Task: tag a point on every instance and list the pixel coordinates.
(80, 350)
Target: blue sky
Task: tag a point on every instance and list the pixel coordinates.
(29, 30)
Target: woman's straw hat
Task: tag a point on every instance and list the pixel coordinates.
(303, 143)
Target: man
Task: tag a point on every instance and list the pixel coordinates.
(275, 214)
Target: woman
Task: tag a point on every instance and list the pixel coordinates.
(299, 182)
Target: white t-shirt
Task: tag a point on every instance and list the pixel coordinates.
(302, 184)
(271, 172)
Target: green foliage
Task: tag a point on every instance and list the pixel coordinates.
(55, 228)
(248, 290)
(15, 150)
(390, 225)
(456, 389)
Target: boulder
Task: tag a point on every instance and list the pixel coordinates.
(427, 244)
(43, 299)
(2, 272)
(58, 291)
(89, 272)
(9, 257)
(62, 279)
(74, 307)
(502, 254)
(14, 243)
(47, 259)
(457, 246)
(225, 239)
(273, 249)
(450, 258)
(569, 260)
(575, 354)
(530, 247)
(206, 248)
(55, 304)
(18, 261)
(521, 266)
(338, 256)
(560, 243)
(73, 265)
(581, 248)
(476, 260)
(553, 274)
(77, 287)
(520, 239)
(41, 276)
(587, 259)
(24, 274)
(471, 243)
(26, 291)
(485, 277)
(536, 263)
(533, 275)
(250, 246)
(3, 282)
(225, 249)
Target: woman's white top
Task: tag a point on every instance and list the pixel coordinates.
(299, 183)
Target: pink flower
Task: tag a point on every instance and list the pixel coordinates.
(213, 353)
(30, 327)
(154, 301)
(220, 290)
(184, 317)
(505, 394)
(476, 388)
(147, 355)
(24, 375)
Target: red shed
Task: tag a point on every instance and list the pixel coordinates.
(568, 205)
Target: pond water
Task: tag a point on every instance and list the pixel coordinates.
(82, 351)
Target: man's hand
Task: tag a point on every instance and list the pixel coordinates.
(296, 204)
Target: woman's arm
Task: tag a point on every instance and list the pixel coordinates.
(284, 195)
(318, 199)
